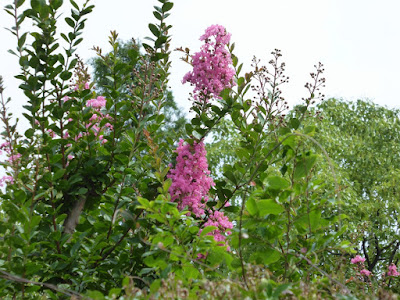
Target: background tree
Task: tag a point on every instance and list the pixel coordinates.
(174, 117)
(363, 139)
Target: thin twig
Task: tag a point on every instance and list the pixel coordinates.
(8, 276)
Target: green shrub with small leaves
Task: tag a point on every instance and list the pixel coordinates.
(101, 201)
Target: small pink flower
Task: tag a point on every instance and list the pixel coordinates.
(70, 157)
(9, 179)
(393, 271)
(109, 126)
(99, 102)
(4, 145)
(66, 98)
(14, 158)
(78, 136)
(357, 259)
(51, 133)
(87, 86)
(303, 250)
(93, 118)
(365, 272)
(37, 122)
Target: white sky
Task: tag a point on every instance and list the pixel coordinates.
(357, 40)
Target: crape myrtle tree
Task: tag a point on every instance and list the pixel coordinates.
(93, 205)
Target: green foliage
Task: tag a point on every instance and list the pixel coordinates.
(88, 214)
(364, 141)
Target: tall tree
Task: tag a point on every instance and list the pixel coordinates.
(363, 139)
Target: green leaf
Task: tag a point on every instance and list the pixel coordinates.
(70, 22)
(74, 4)
(251, 206)
(276, 183)
(167, 7)
(22, 40)
(56, 4)
(154, 30)
(160, 41)
(20, 2)
(95, 295)
(269, 206)
(229, 174)
(114, 293)
(37, 5)
(66, 75)
(207, 230)
(191, 272)
(82, 191)
(280, 289)
(304, 166)
(294, 123)
(269, 256)
(58, 174)
(157, 15)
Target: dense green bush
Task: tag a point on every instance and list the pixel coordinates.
(102, 201)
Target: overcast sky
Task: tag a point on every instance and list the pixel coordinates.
(357, 40)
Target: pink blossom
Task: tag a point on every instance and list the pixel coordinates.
(70, 157)
(78, 136)
(365, 272)
(93, 118)
(219, 220)
(14, 158)
(393, 271)
(102, 139)
(87, 86)
(66, 98)
(9, 179)
(99, 102)
(190, 178)
(191, 182)
(211, 66)
(109, 126)
(51, 133)
(357, 259)
(4, 145)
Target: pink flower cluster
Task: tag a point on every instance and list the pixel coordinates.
(86, 86)
(357, 259)
(99, 102)
(190, 178)
(12, 158)
(392, 271)
(219, 220)
(9, 179)
(94, 122)
(211, 66)
(365, 272)
(191, 183)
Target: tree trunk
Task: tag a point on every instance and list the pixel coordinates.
(72, 219)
